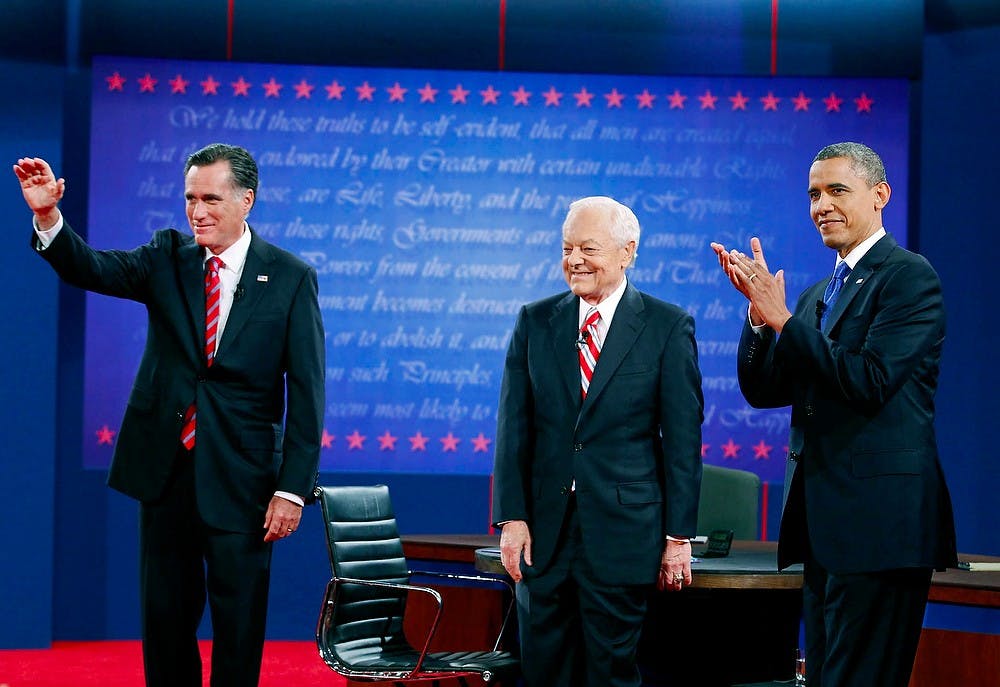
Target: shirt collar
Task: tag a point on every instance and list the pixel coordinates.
(606, 307)
(234, 256)
(854, 257)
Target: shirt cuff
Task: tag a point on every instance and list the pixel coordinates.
(45, 238)
(288, 496)
(757, 328)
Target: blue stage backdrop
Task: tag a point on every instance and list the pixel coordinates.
(430, 204)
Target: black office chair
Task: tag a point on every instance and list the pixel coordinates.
(730, 500)
(360, 628)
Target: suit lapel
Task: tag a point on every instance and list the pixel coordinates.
(626, 326)
(253, 283)
(564, 328)
(859, 278)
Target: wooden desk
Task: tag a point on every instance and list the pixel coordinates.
(741, 605)
(737, 622)
(749, 565)
(953, 657)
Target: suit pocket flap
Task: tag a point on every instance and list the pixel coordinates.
(261, 440)
(140, 399)
(876, 463)
(632, 493)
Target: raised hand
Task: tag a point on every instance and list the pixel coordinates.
(41, 190)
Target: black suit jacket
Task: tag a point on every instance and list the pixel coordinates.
(272, 343)
(867, 482)
(633, 446)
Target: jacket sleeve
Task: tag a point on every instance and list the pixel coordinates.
(512, 461)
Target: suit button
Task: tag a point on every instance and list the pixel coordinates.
(202, 378)
(578, 447)
(564, 490)
(810, 411)
(180, 416)
(794, 456)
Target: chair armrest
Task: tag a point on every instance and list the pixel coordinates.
(483, 580)
(328, 611)
(465, 578)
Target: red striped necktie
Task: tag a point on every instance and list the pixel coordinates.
(213, 296)
(589, 349)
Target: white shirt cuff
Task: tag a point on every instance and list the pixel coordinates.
(288, 496)
(45, 238)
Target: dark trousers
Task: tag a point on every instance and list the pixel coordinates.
(180, 559)
(575, 631)
(862, 629)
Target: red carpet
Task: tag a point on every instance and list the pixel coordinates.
(119, 664)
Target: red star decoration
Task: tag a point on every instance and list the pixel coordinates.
(449, 443)
(272, 89)
(676, 100)
(365, 91)
(396, 93)
(704, 449)
(832, 102)
(241, 87)
(762, 451)
(178, 84)
(334, 91)
(355, 440)
(801, 102)
(387, 442)
(326, 441)
(210, 86)
(708, 100)
(614, 98)
(459, 94)
(521, 96)
(427, 94)
(583, 97)
(770, 102)
(730, 449)
(552, 97)
(115, 82)
(147, 84)
(864, 103)
(645, 99)
(490, 95)
(481, 444)
(418, 442)
(105, 435)
(303, 89)
(739, 101)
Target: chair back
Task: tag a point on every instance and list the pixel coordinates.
(363, 543)
(730, 500)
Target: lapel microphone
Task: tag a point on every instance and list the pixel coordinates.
(584, 338)
(820, 309)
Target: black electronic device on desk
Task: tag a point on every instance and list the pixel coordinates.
(719, 542)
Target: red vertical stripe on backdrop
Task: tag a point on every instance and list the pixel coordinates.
(774, 37)
(489, 522)
(503, 34)
(231, 10)
(763, 511)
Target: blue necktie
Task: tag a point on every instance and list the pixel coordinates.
(833, 290)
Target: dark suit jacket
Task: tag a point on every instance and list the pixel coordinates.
(867, 482)
(633, 446)
(274, 335)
